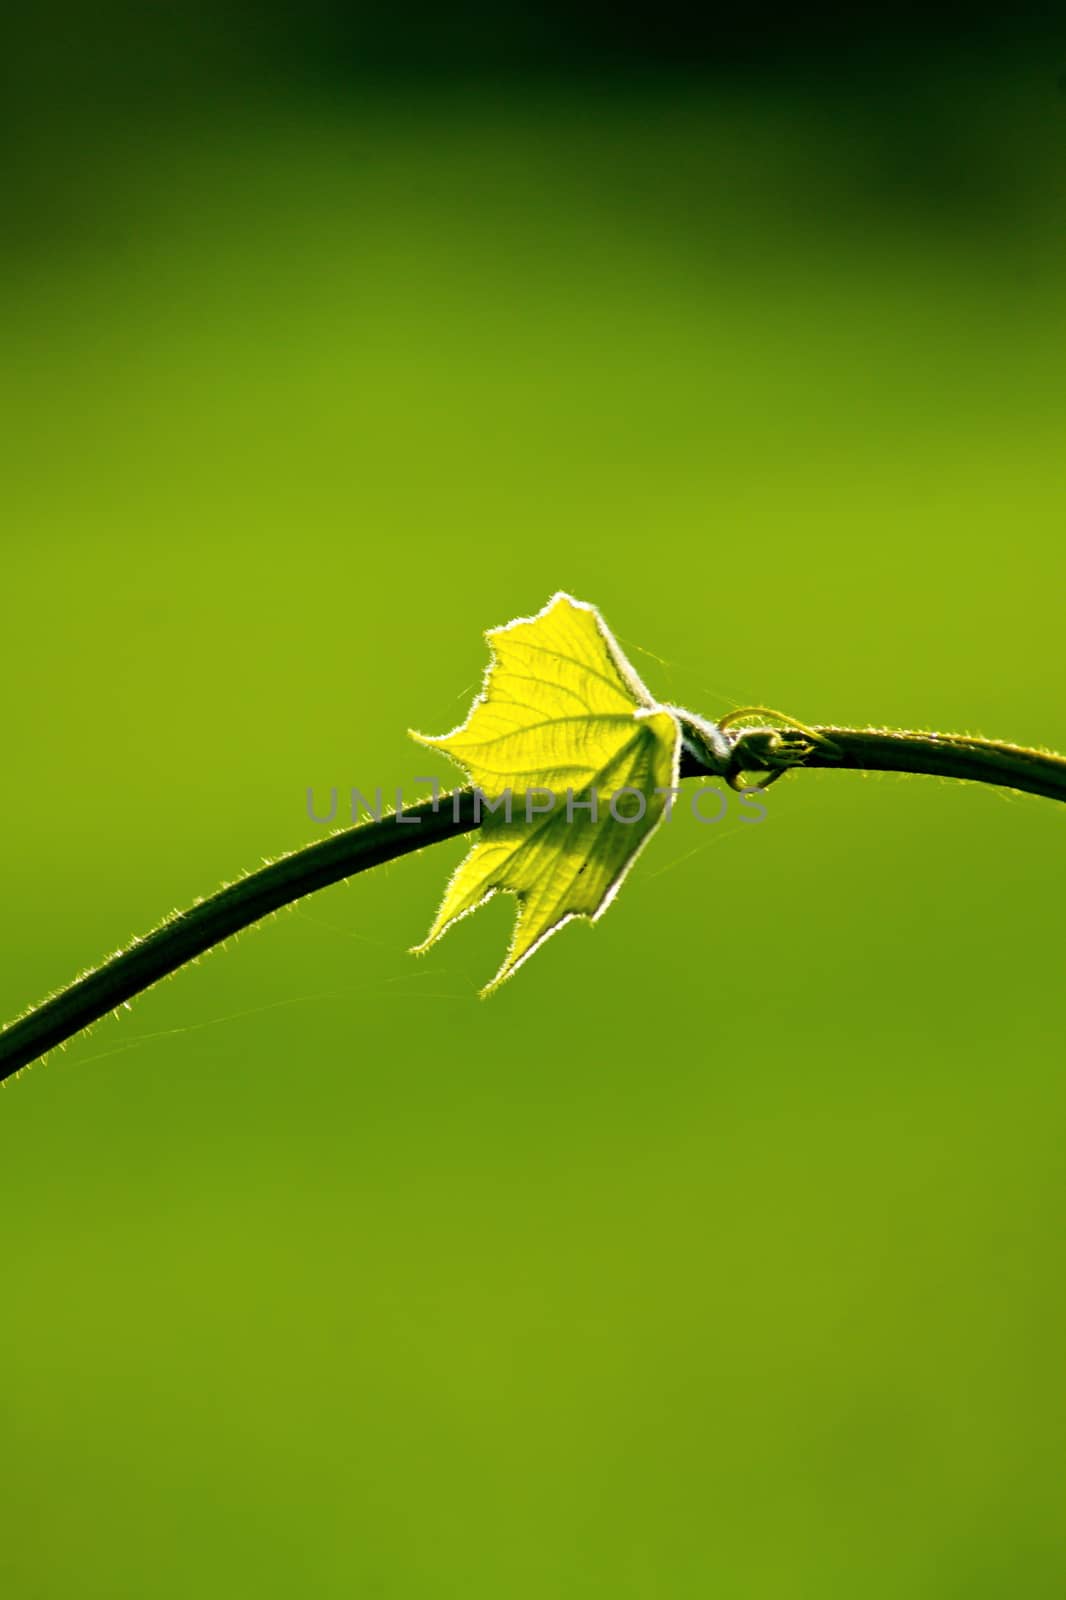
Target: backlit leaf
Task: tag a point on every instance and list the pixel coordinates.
(562, 722)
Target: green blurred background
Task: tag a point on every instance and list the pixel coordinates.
(720, 1253)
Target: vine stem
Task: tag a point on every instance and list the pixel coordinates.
(190, 933)
(940, 755)
(767, 751)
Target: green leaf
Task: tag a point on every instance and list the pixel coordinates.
(562, 716)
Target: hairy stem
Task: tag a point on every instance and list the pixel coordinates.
(184, 937)
(769, 750)
(766, 751)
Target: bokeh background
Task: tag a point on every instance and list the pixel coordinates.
(721, 1252)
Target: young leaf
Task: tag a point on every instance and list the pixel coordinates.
(578, 760)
